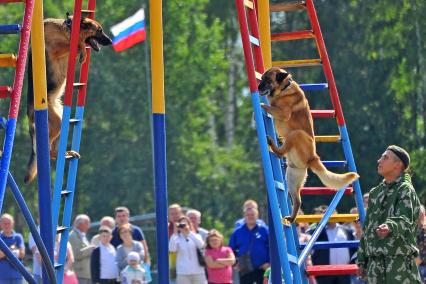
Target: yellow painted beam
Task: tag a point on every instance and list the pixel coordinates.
(297, 63)
(38, 54)
(249, 4)
(265, 32)
(327, 138)
(334, 218)
(157, 59)
(8, 60)
(286, 7)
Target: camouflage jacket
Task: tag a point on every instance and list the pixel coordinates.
(397, 205)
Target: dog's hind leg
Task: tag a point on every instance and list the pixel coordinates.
(295, 180)
(32, 162)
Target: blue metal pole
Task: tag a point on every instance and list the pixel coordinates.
(347, 149)
(270, 186)
(33, 227)
(305, 252)
(6, 157)
(273, 251)
(160, 174)
(16, 262)
(44, 192)
(71, 179)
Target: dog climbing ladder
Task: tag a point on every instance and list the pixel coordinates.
(255, 14)
(60, 193)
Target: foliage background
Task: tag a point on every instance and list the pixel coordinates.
(377, 52)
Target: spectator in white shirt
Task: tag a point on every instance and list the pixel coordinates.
(102, 262)
(185, 243)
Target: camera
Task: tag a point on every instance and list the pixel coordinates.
(181, 225)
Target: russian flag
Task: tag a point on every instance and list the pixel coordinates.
(129, 32)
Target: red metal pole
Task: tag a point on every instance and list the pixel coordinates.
(326, 62)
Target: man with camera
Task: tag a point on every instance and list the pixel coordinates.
(185, 242)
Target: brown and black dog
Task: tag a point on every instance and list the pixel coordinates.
(57, 41)
(293, 122)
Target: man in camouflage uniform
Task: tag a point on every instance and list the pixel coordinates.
(387, 248)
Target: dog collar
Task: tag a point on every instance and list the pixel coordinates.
(286, 86)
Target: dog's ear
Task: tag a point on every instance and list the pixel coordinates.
(68, 20)
(281, 76)
(84, 24)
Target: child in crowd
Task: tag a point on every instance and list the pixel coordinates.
(219, 259)
(133, 273)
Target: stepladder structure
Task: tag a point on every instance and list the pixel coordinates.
(255, 27)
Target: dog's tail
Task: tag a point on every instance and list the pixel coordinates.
(32, 162)
(330, 179)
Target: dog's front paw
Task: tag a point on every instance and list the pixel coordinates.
(72, 154)
(288, 220)
(82, 58)
(270, 141)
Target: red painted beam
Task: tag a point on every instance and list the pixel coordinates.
(5, 92)
(292, 35)
(323, 270)
(323, 113)
(322, 191)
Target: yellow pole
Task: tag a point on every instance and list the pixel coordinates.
(157, 63)
(265, 32)
(38, 57)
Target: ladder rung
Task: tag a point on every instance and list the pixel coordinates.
(315, 218)
(10, 29)
(323, 190)
(7, 60)
(5, 92)
(279, 185)
(314, 87)
(286, 7)
(3, 124)
(328, 245)
(60, 229)
(330, 164)
(297, 63)
(58, 265)
(322, 270)
(320, 113)
(292, 258)
(254, 40)
(88, 11)
(74, 120)
(249, 4)
(258, 75)
(267, 114)
(285, 36)
(78, 84)
(327, 138)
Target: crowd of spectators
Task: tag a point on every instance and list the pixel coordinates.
(119, 251)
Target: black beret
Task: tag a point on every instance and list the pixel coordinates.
(401, 154)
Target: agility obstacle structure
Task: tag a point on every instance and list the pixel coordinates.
(52, 272)
(287, 255)
(33, 9)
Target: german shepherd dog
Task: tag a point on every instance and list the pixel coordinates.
(57, 42)
(293, 122)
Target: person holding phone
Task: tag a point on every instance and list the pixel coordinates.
(185, 242)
